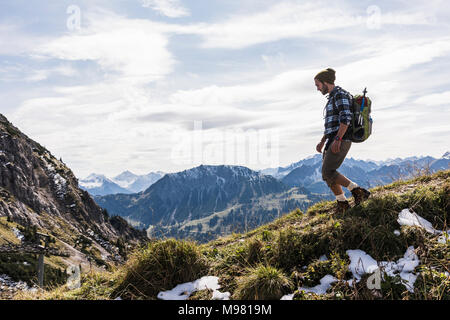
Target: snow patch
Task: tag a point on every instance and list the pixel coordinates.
(325, 284)
(183, 291)
(408, 218)
(405, 267)
(361, 263)
(288, 297)
(18, 234)
(6, 282)
(59, 182)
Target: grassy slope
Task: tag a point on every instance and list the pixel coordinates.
(277, 258)
(24, 266)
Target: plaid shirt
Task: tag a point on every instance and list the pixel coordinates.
(338, 110)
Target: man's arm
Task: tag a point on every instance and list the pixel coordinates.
(320, 144)
(336, 145)
(342, 129)
(345, 113)
(345, 118)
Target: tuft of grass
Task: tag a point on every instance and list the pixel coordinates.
(160, 266)
(262, 283)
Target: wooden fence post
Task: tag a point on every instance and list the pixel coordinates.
(41, 270)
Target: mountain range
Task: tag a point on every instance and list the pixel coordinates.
(304, 173)
(126, 182)
(207, 201)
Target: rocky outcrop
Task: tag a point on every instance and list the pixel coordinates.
(38, 189)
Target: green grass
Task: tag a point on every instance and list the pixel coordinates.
(262, 283)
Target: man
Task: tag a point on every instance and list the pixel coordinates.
(337, 120)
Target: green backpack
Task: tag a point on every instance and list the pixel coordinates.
(361, 127)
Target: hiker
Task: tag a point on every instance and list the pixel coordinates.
(338, 118)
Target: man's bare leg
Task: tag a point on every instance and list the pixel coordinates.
(337, 186)
(337, 189)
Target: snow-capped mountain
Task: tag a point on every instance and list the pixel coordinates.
(125, 179)
(137, 183)
(126, 182)
(98, 184)
(281, 172)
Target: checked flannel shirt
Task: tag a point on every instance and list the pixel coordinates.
(338, 110)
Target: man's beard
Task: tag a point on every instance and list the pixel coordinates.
(324, 90)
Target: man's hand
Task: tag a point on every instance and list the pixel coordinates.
(320, 146)
(336, 146)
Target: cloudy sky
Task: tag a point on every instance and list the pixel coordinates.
(147, 85)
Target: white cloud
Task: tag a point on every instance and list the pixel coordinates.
(44, 74)
(435, 99)
(291, 19)
(169, 8)
(380, 71)
(135, 49)
(290, 101)
(281, 87)
(92, 118)
(21, 72)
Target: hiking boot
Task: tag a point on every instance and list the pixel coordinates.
(360, 195)
(342, 206)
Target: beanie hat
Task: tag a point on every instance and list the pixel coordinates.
(328, 75)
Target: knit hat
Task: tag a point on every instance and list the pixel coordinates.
(328, 75)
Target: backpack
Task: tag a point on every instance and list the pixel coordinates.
(361, 127)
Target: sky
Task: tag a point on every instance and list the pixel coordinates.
(166, 85)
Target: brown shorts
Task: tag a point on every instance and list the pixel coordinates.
(332, 161)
